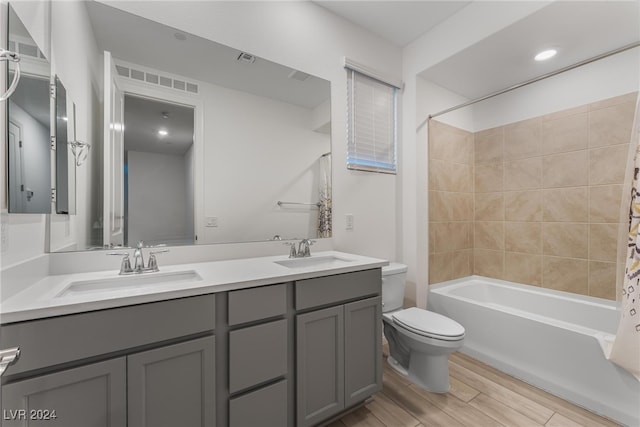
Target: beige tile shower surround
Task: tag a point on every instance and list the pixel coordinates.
(535, 202)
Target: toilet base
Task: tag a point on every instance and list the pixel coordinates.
(430, 373)
(397, 366)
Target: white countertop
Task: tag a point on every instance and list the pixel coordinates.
(46, 297)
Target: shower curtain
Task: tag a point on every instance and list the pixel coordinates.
(625, 350)
(324, 216)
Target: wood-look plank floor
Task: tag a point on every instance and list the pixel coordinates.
(480, 396)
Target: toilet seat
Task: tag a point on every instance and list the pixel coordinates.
(428, 324)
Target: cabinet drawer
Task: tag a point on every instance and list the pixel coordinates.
(257, 354)
(252, 304)
(261, 408)
(48, 342)
(340, 287)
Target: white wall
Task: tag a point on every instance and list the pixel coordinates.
(77, 62)
(258, 151)
(158, 197)
(613, 76)
(306, 37)
(189, 175)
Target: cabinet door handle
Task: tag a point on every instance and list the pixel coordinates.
(8, 357)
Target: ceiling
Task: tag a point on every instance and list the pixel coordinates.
(577, 29)
(145, 117)
(399, 22)
(144, 42)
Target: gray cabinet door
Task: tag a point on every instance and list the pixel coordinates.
(173, 385)
(320, 365)
(363, 349)
(92, 395)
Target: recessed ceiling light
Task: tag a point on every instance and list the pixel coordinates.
(546, 54)
(163, 132)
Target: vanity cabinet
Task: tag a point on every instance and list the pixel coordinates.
(132, 366)
(277, 355)
(338, 348)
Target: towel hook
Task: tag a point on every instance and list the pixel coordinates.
(6, 55)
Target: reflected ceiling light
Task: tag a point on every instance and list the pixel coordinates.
(546, 54)
(163, 132)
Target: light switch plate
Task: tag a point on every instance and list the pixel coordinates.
(348, 221)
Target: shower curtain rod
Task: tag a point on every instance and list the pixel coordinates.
(533, 80)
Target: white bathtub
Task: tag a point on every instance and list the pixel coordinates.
(553, 340)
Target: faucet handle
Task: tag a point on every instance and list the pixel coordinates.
(153, 262)
(292, 251)
(125, 267)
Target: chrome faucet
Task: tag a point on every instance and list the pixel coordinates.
(303, 248)
(138, 260)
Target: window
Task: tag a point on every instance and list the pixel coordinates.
(371, 124)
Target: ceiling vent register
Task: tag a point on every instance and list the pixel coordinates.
(26, 49)
(156, 79)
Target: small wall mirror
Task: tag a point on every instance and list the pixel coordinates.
(65, 164)
(29, 126)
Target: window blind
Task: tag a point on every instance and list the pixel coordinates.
(371, 124)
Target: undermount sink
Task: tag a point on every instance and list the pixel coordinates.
(315, 261)
(129, 281)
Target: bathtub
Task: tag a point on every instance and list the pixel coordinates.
(553, 340)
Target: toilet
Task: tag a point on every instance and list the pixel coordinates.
(420, 341)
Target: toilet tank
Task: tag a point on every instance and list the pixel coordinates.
(394, 278)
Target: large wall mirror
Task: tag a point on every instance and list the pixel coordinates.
(29, 125)
(200, 142)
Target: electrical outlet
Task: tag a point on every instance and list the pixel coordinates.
(348, 221)
(212, 221)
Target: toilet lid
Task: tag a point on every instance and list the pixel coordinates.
(428, 324)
